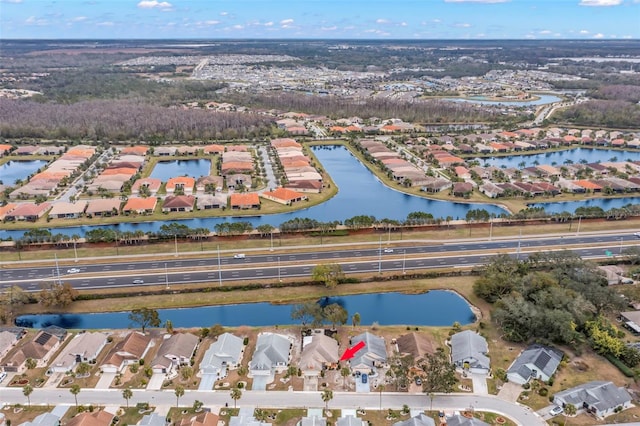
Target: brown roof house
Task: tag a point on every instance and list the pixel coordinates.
(40, 349)
(417, 345)
(29, 212)
(97, 418)
(462, 189)
(64, 210)
(84, 347)
(319, 352)
(203, 419)
(284, 196)
(103, 207)
(133, 348)
(245, 201)
(147, 185)
(175, 350)
(178, 203)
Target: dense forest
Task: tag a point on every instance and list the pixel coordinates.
(432, 111)
(600, 113)
(124, 120)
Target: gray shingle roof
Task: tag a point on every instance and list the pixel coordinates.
(468, 346)
(271, 349)
(542, 358)
(460, 420)
(599, 394)
(227, 348)
(374, 350)
(419, 420)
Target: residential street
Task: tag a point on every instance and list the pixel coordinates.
(341, 400)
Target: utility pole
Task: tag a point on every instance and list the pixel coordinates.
(271, 249)
(518, 250)
(75, 250)
(219, 269)
(58, 269)
(279, 278)
(579, 221)
(380, 257)
(490, 229)
(404, 261)
(175, 241)
(166, 275)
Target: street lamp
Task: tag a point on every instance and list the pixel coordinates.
(175, 242)
(219, 269)
(279, 279)
(271, 249)
(166, 275)
(404, 261)
(518, 250)
(490, 230)
(380, 257)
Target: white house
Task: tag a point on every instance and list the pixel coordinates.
(469, 351)
(599, 398)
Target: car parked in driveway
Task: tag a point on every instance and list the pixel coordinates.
(418, 381)
(556, 410)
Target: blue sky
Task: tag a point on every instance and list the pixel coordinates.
(333, 19)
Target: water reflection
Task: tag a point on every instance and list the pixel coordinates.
(435, 308)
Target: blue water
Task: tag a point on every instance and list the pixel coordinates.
(543, 100)
(361, 193)
(575, 155)
(164, 170)
(571, 206)
(11, 171)
(435, 308)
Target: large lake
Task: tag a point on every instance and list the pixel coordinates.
(542, 100)
(165, 170)
(12, 171)
(435, 308)
(558, 158)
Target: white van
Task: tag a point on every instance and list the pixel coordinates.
(238, 256)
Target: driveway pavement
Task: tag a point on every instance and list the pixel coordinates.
(510, 392)
(156, 381)
(479, 384)
(105, 380)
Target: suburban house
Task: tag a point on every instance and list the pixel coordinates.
(373, 355)
(140, 205)
(84, 347)
(460, 420)
(206, 418)
(245, 418)
(223, 354)
(97, 418)
(131, 349)
(284, 196)
(271, 354)
(419, 420)
(40, 349)
(103, 207)
(64, 210)
(244, 201)
(44, 419)
(415, 344)
(469, 352)
(213, 183)
(182, 184)
(599, 398)
(28, 212)
(175, 350)
(150, 186)
(319, 352)
(535, 362)
(210, 201)
(178, 203)
(9, 337)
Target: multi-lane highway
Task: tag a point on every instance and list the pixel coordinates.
(286, 263)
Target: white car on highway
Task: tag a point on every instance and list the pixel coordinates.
(73, 271)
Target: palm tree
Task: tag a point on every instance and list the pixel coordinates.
(179, 393)
(27, 390)
(236, 394)
(355, 319)
(344, 372)
(75, 390)
(327, 395)
(127, 394)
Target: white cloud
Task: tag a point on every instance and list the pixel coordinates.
(105, 24)
(32, 20)
(268, 24)
(332, 28)
(477, 1)
(584, 32)
(11, 1)
(545, 32)
(224, 13)
(600, 2)
(79, 19)
(238, 27)
(211, 22)
(154, 4)
(462, 25)
(382, 21)
(286, 22)
(599, 35)
(403, 24)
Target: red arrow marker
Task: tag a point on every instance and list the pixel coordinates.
(351, 352)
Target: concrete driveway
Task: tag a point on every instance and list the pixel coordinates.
(105, 380)
(207, 381)
(156, 381)
(479, 384)
(510, 392)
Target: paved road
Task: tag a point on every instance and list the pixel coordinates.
(279, 265)
(274, 399)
